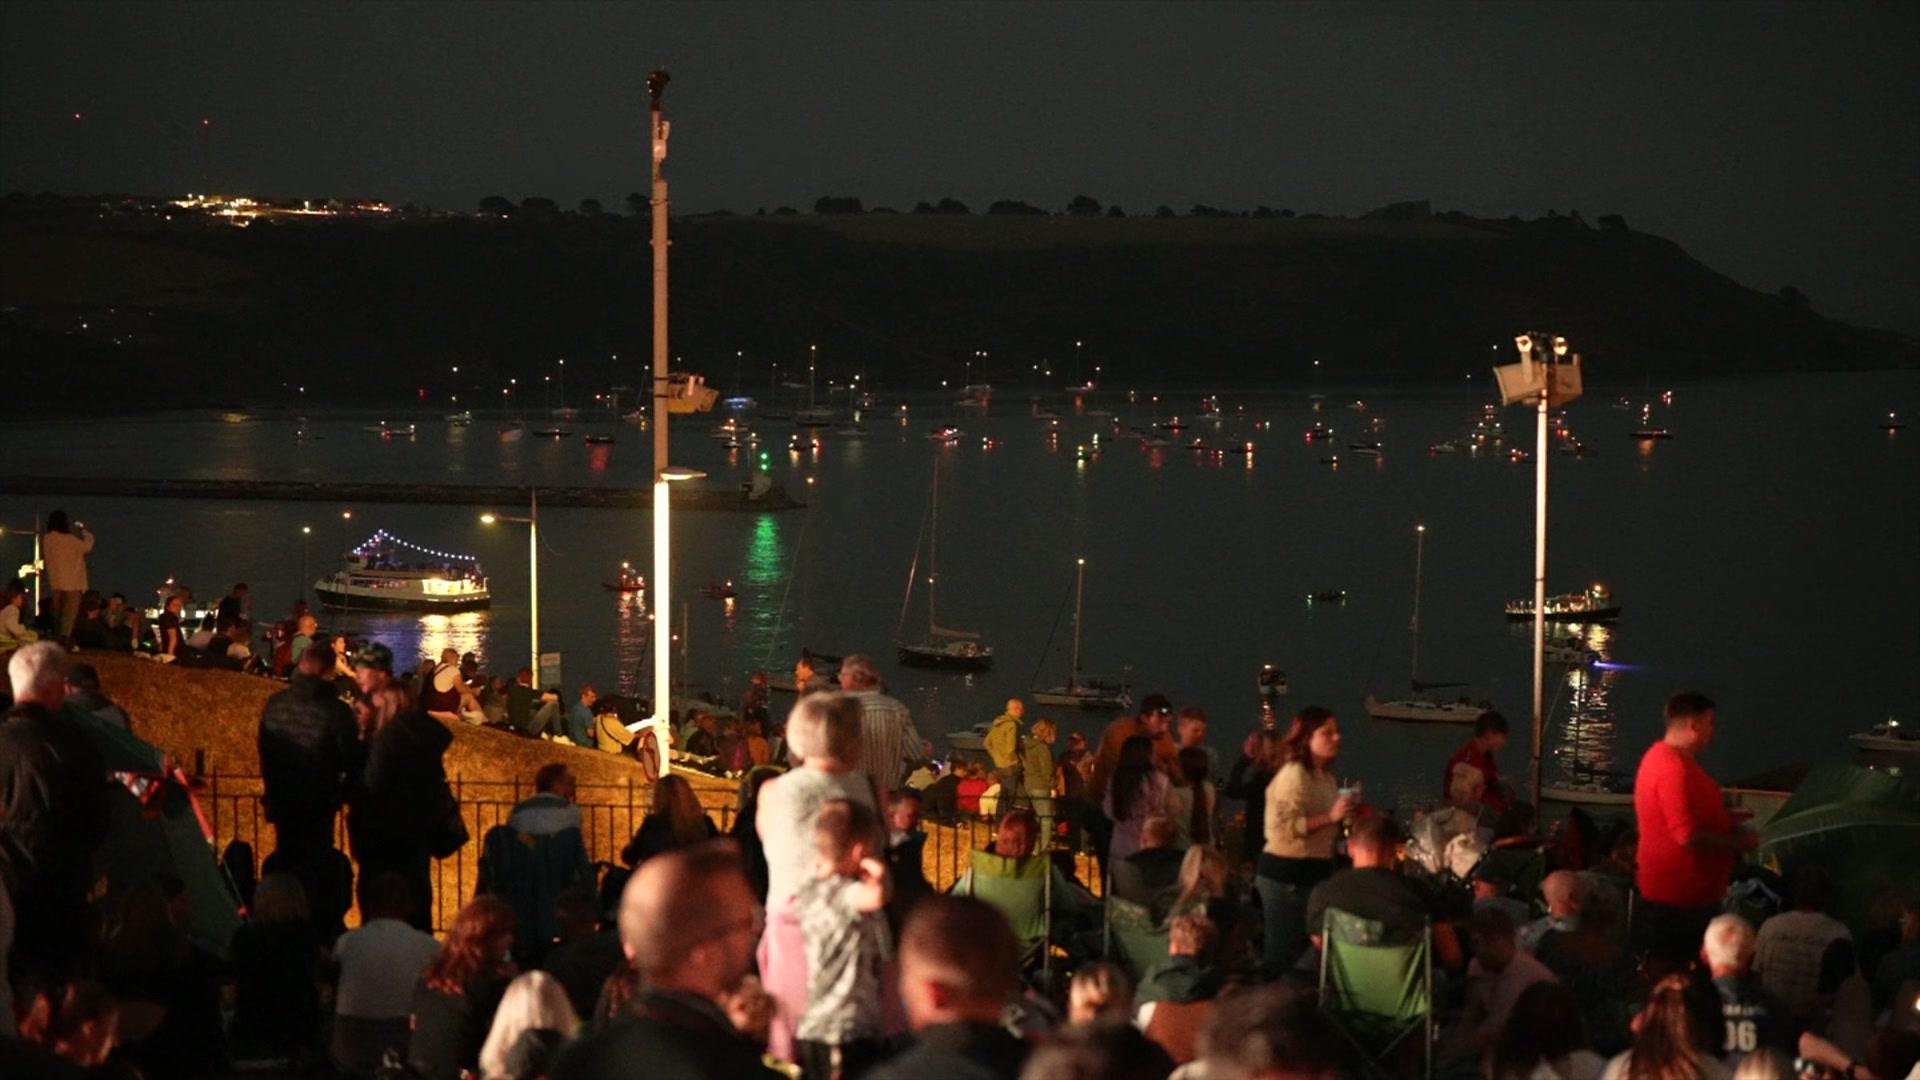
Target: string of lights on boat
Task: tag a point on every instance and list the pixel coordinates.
(381, 535)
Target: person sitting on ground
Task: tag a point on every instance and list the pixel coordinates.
(532, 711)
(454, 1001)
(1496, 977)
(1151, 875)
(1544, 1038)
(116, 613)
(1453, 839)
(1204, 890)
(847, 944)
(583, 955)
(202, 637)
(688, 921)
(1187, 977)
(1100, 993)
(1271, 1033)
(699, 737)
(1675, 1037)
(379, 963)
(1753, 1017)
(69, 1031)
(972, 785)
(959, 963)
(580, 716)
(1016, 838)
(1193, 802)
(1902, 964)
(169, 638)
(84, 693)
(232, 647)
(91, 631)
(610, 733)
(676, 821)
(233, 606)
(444, 696)
(13, 619)
(1489, 737)
(1566, 893)
(1593, 961)
(1374, 888)
(531, 1027)
(168, 988)
(1792, 945)
(1492, 888)
(276, 968)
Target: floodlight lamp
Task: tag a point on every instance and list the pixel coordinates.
(674, 473)
(1560, 346)
(1523, 342)
(488, 519)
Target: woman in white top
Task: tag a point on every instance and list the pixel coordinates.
(1304, 812)
(823, 733)
(64, 549)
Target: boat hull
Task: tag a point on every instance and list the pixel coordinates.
(1084, 697)
(337, 599)
(1423, 712)
(933, 656)
(1586, 796)
(1605, 614)
(1886, 744)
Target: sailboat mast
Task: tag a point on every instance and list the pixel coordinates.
(933, 547)
(1079, 590)
(1419, 558)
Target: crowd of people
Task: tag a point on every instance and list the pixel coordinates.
(1123, 922)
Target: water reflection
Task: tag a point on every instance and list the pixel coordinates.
(632, 642)
(414, 636)
(1584, 732)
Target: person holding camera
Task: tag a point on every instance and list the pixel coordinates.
(64, 548)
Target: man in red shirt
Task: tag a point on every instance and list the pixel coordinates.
(1489, 735)
(1688, 842)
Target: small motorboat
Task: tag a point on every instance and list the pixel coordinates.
(1235, 448)
(1518, 456)
(802, 443)
(1046, 414)
(1154, 442)
(1122, 431)
(946, 654)
(718, 590)
(1889, 737)
(460, 419)
(1357, 406)
(1171, 423)
(552, 433)
(1373, 444)
(1589, 793)
(1367, 451)
(1448, 447)
(1333, 462)
(1650, 433)
(1318, 432)
(854, 431)
(1893, 423)
(599, 440)
(1327, 596)
(1421, 710)
(629, 581)
(945, 434)
(988, 442)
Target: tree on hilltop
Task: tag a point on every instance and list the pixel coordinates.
(496, 206)
(951, 205)
(1163, 210)
(539, 206)
(1115, 211)
(837, 204)
(1014, 206)
(590, 207)
(1084, 206)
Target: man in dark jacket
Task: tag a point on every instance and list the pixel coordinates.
(310, 755)
(53, 815)
(689, 923)
(958, 965)
(402, 801)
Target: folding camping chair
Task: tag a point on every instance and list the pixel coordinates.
(1133, 939)
(1377, 987)
(1023, 891)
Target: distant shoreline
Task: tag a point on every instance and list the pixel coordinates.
(605, 498)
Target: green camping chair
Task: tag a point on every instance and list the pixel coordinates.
(1377, 987)
(1133, 939)
(1023, 891)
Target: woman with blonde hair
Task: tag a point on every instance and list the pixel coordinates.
(1676, 1037)
(534, 1021)
(823, 732)
(677, 820)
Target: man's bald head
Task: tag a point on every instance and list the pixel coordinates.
(689, 920)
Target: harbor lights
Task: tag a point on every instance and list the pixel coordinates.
(532, 522)
(1549, 376)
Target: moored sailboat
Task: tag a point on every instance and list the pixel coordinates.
(1087, 692)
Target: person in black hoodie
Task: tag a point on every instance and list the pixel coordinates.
(53, 815)
(392, 818)
(310, 757)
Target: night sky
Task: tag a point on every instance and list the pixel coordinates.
(1778, 143)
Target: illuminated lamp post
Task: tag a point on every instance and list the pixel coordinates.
(1548, 377)
(306, 537)
(532, 522)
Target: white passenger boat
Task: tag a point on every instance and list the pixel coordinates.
(387, 573)
(1889, 737)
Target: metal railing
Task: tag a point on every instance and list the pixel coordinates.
(611, 814)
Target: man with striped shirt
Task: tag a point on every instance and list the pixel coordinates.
(889, 743)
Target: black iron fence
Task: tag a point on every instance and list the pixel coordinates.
(611, 813)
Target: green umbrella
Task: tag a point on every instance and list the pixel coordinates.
(1860, 825)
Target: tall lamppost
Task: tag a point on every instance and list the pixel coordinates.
(306, 537)
(1547, 377)
(532, 522)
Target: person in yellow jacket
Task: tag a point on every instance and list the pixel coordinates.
(1003, 749)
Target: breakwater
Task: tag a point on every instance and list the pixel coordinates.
(351, 491)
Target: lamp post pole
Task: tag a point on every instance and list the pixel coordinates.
(662, 526)
(306, 537)
(533, 580)
(1540, 575)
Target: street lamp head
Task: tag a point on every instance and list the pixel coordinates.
(1559, 346)
(306, 530)
(488, 519)
(1524, 342)
(1419, 528)
(674, 473)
